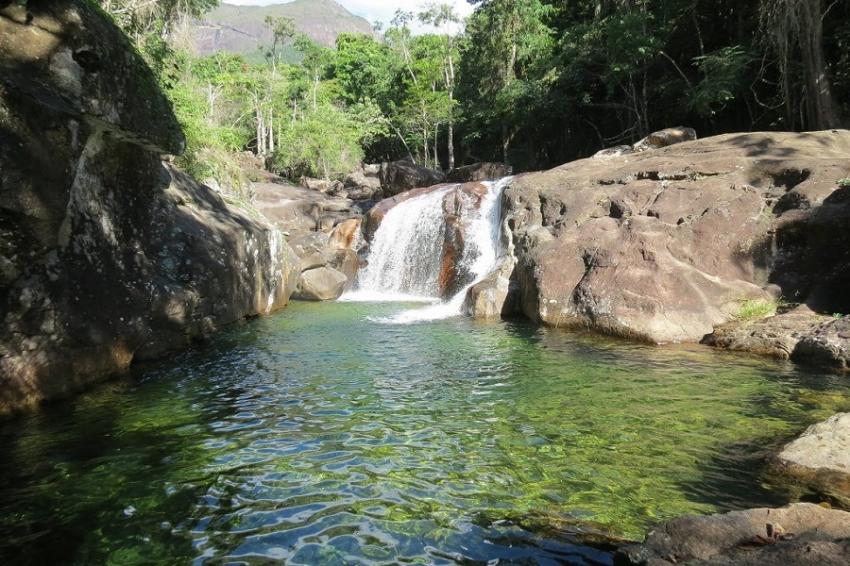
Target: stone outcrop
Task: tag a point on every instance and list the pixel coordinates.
(802, 534)
(665, 137)
(496, 296)
(664, 245)
(400, 176)
(322, 257)
(107, 255)
(820, 458)
(320, 284)
(655, 140)
(362, 184)
(478, 172)
(299, 210)
(800, 335)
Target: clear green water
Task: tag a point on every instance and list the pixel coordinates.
(318, 437)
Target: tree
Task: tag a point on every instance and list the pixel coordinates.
(444, 18)
(794, 30)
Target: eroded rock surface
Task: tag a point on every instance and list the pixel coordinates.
(802, 534)
(664, 245)
(106, 254)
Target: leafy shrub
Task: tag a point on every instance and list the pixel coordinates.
(327, 142)
(844, 183)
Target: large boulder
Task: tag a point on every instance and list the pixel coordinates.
(298, 210)
(478, 172)
(495, 296)
(107, 255)
(360, 185)
(399, 176)
(320, 284)
(820, 458)
(802, 534)
(665, 245)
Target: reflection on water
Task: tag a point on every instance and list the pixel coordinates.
(318, 437)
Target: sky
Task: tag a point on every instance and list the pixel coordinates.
(373, 10)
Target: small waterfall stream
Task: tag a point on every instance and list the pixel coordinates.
(406, 254)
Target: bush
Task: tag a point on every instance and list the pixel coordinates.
(844, 183)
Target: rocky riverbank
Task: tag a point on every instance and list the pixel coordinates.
(108, 254)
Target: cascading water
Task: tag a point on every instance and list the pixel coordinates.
(406, 255)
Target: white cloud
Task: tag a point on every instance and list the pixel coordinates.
(373, 10)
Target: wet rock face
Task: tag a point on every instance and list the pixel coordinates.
(664, 245)
(106, 254)
(798, 535)
(459, 204)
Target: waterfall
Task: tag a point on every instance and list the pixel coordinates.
(406, 253)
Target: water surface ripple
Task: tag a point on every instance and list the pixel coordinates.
(318, 437)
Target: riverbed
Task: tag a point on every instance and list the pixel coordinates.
(324, 435)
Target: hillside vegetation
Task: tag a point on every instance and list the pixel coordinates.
(533, 83)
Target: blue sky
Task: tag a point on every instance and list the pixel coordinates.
(373, 10)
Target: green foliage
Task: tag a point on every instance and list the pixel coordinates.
(844, 183)
(756, 309)
(724, 74)
(327, 142)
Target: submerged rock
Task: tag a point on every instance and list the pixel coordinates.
(107, 255)
(820, 458)
(665, 245)
(802, 534)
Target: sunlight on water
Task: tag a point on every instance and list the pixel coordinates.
(318, 437)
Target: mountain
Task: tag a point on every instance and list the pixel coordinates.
(242, 29)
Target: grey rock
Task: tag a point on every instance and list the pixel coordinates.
(820, 457)
(320, 284)
(665, 137)
(802, 534)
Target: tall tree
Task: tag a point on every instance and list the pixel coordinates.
(794, 29)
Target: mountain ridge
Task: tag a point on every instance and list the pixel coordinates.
(242, 29)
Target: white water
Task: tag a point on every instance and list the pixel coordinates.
(406, 254)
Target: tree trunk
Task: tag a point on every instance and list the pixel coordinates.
(451, 145)
(821, 112)
(271, 131)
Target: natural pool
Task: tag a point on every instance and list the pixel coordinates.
(320, 437)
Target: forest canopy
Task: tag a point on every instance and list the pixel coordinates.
(533, 83)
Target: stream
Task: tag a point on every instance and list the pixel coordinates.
(322, 435)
